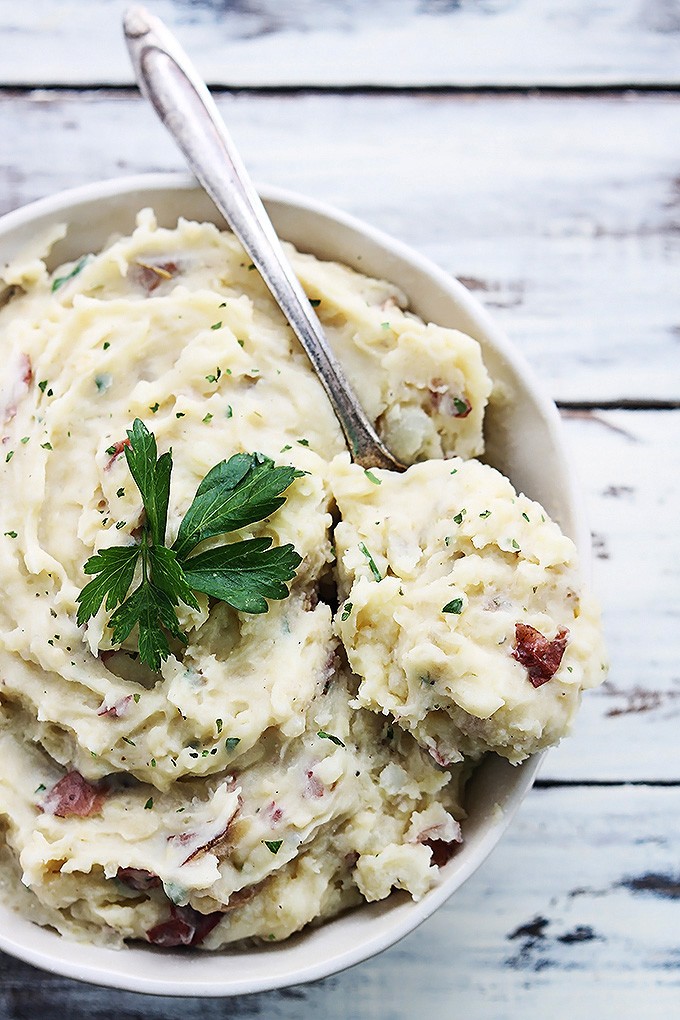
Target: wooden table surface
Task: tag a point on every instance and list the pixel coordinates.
(531, 148)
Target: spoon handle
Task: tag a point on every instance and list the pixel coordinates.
(182, 101)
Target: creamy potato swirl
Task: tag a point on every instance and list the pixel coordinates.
(257, 784)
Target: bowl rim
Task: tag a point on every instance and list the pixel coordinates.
(79, 965)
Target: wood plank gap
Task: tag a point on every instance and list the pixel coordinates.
(631, 89)
(551, 784)
(621, 404)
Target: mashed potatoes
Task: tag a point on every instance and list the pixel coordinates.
(283, 766)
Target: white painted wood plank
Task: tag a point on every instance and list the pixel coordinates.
(562, 213)
(349, 42)
(629, 465)
(575, 914)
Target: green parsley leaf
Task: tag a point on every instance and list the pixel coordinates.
(60, 280)
(244, 574)
(149, 804)
(371, 477)
(116, 569)
(454, 606)
(346, 611)
(231, 742)
(151, 609)
(152, 475)
(216, 325)
(273, 844)
(169, 576)
(331, 737)
(236, 492)
(315, 302)
(208, 418)
(9, 456)
(11, 534)
(371, 562)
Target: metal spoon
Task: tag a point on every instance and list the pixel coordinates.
(181, 99)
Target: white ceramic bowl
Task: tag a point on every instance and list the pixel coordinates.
(523, 440)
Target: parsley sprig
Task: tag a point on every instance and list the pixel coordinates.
(235, 493)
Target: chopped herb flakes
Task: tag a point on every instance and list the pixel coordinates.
(154, 407)
(485, 514)
(120, 492)
(9, 456)
(514, 544)
(525, 516)
(273, 844)
(207, 419)
(458, 519)
(216, 325)
(11, 534)
(149, 804)
(331, 737)
(371, 562)
(371, 477)
(214, 376)
(315, 302)
(346, 611)
(180, 414)
(45, 446)
(231, 742)
(60, 280)
(454, 606)
(24, 439)
(42, 385)
(218, 724)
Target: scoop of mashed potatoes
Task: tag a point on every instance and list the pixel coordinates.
(257, 783)
(464, 615)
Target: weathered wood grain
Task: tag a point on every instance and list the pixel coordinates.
(346, 42)
(629, 465)
(574, 914)
(562, 213)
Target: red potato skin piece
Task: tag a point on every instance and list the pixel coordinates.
(540, 656)
(27, 370)
(442, 852)
(150, 275)
(116, 710)
(73, 796)
(184, 927)
(117, 450)
(138, 879)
